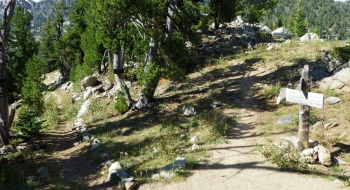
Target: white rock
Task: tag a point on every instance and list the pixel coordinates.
(294, 142)
(88, 92)
(194, 139)
(324, 156)
(309, 37)
(308, 151)
(344, 76)
(115, 167)
(84, 108)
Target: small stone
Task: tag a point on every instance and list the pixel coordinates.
(286, 119)
(131, 185)
(180, 162)
(126, 180)
(332, 100)
(330, 125)
(155, 176)
(104, 157)
(194, 140)
(94, 146)
(189, 110)
(43, 172)
(317, 125)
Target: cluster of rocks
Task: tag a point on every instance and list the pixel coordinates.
(230, 37)
(31, 145)
(315, 154)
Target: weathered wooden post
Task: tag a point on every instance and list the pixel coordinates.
(306, 99)
(304, 110)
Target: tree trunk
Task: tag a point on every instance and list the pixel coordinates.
(304, 111)
(149, 87)
(118, 60)
(170, 25)
(4, 35)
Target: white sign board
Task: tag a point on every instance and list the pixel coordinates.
(305, 98)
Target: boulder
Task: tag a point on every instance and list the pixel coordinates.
(88, 81)
(67, 86)
(309, 37)
(325, 83)
(84, 108)
(344, 76)
(115, 167)
(53, 80)
(345, 89)
(324, 156)
(88, 92)
(336, 84)
(282, 33)
(266, 29)
(318, 74)
(331, 65)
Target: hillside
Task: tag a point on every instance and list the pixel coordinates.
(328, 17)
(243, 83)
(189, 107)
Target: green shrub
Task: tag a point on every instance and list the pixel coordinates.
(281, 158)
(273, 91)
(30, 125)
(215, 122)
(50, 114)
(341, 53)
(121, 106)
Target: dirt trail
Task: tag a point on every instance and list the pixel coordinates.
(236, 164)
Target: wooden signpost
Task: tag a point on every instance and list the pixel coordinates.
(306, 99)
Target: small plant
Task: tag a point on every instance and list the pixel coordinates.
(330, 92)
(30, 125)
(50, 114)
(273, 91)
(69, 110)
(121, 106)
(283, 159)
(215, 122)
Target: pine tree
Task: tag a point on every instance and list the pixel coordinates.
(297, 23)
(22, 47)
(32, 85)
(223, 10)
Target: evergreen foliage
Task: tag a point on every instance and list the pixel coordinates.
(341, 53)
(32, 86)
(121, 106)
(22, 47)
(323, 16)
(253, 10)
(297, 23)
(30, 125)
(222, 10)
